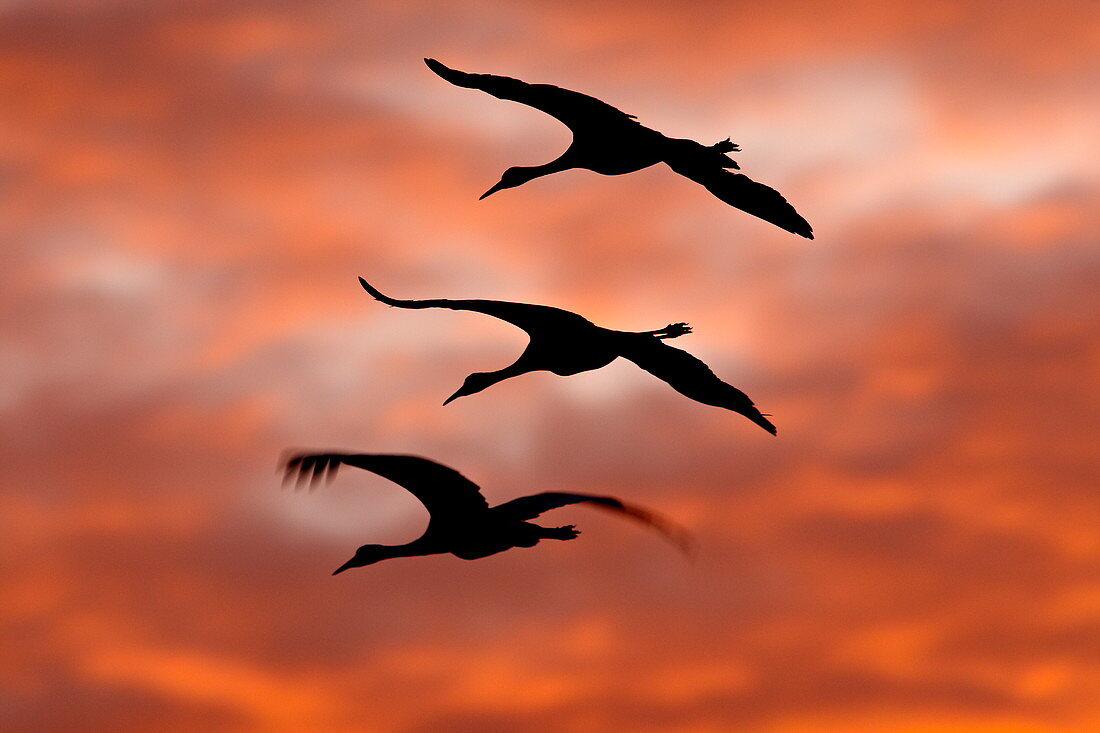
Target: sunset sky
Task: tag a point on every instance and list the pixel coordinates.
(189, 188)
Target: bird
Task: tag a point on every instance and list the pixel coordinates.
(609, 141)
(566, 343)
(461, 521)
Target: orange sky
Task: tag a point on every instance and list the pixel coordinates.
(189, 189)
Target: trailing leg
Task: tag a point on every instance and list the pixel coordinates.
(568, 532)
(670, 331)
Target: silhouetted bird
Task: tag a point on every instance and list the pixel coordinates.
(565, 343)
(461, 522)
(609, 141)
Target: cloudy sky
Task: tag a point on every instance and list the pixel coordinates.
(189, 188)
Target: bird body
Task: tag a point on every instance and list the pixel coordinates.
(565, 343)
(608, 141)
(570, 352)
(625, 148)
(462, 523)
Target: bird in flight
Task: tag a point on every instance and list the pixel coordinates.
(609, 141)
(565, 343)
(461, 522)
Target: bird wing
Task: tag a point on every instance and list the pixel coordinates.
(442, 490)
(529, 507)
(689, 376)
(531, 318)
(571, 108)
(740, 191)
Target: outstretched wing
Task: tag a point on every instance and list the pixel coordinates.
(740, 191)
(442, 490)
(531, 318)
(689, 376)
(572, 108)
(529, 507)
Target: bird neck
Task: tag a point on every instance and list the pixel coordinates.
(537, 171)
(513, 370)
(409, 549)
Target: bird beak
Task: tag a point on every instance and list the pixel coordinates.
(492, 190)
(344, 567)
(452, 398)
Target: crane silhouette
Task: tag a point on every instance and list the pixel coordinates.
(461, 522)
(565, 343)
(609, 141)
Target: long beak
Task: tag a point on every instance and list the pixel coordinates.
(492, 190)
(346, 566)
(452, 398)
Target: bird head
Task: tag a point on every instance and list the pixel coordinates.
(365, 555)
(509, 179)
(472, 385)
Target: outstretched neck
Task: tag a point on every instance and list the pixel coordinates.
(532, 172)
(415, 548)
(513, 370)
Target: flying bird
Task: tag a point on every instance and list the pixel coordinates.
(609, 141)
(461, 522)
(565, 343)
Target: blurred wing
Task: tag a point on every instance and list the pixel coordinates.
(440, 489)
(742, 192)
(690, 377)
(572, 108)
(529, 507)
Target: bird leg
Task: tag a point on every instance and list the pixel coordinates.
(725, 146)
(568, 532)
(670, 331)
(722, 149)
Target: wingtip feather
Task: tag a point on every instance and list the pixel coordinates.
(759, 418)
(442, 70)
(798, 225)
(375, 292)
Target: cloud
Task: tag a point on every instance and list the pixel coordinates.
(190, 190)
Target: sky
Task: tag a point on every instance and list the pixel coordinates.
(189, 189)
